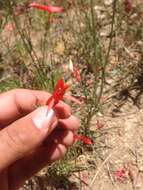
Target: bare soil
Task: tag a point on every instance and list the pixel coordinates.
(125, 150)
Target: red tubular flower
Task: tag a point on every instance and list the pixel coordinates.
(82, 138)
(58, 93)
(50, 9)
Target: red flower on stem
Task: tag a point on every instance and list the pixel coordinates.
(58, 95)
(82, 138)
(48, 8)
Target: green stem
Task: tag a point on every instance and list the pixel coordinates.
(108, 51)
(28, 46)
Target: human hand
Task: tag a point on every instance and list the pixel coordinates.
(31, 138)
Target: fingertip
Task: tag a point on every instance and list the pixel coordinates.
(71, 123)
(20, 98)
(58, 153)
(67, 138)
(62, 110)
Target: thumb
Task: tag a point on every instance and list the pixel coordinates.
(25, 134)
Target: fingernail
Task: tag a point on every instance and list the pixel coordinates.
(43, 118)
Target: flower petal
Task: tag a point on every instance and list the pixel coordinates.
(58, 93)
(84, 139)
(50, 9)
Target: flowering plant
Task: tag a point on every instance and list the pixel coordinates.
(61, 87)
(57, 95)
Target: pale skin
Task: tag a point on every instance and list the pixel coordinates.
(24, 148)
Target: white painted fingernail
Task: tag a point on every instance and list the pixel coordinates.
(43, 118)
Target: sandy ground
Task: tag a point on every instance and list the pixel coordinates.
(125, 142)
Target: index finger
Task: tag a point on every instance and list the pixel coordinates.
(19, 102)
